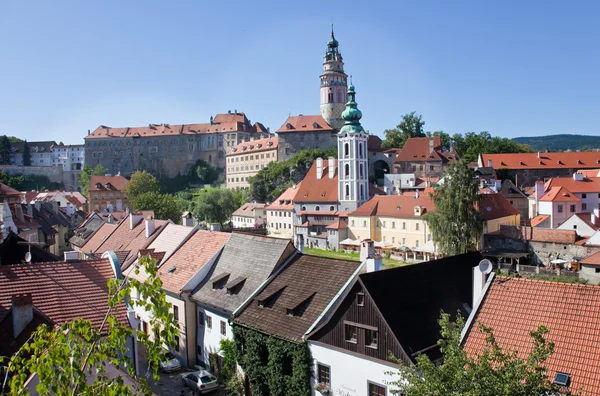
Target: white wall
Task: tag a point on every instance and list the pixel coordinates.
(209, 340)
(349, 373)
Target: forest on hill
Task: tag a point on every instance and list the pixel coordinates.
(561, 142)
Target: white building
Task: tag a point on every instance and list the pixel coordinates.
(280, 214)
(585, 224)
(249, 215)
(40, 152)
(70, 157)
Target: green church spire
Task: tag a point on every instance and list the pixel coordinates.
(352, 114)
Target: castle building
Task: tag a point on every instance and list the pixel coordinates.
(247, 158)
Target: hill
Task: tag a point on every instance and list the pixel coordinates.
(561, 142)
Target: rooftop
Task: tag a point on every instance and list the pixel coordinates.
(561, 160)
(559, 194)
(248, 209)
(585, 185)
(108, 183)
(286, 200)
(254, 146)
(495, 206)
(302, 123)
(319, 190)
(401, 206)
(425, 149)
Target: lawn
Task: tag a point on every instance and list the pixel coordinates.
(387, 263)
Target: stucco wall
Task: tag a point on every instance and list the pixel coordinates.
(209, 339)
(54, 173)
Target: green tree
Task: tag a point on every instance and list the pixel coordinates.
(214, 205)
(13, 139)
(4, 150)
(493, 373)
(456, 224)
(86, 173)
(141, 183)
(164, 205)
(66, 356)
(240, 197)
(410, 126)
(26, 154)
(444, 137)
(206, 173)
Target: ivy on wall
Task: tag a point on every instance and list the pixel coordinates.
(275, 367)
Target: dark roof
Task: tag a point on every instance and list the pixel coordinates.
(261, 256)
(307, 284)
(85, 232)
(509, 190)
(34, 147)
(410, 298)
(11, 344)
(11, 252)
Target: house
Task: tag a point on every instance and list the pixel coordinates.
(54, 224)
(515, 197)
(40, 152)
(85, 231)
(247, 158)
(250, 215)
(566, 309)
(108, 192)
(425, 157)
(280, 214)
(400, 183)
(559, 204)
(14, 249)
(181, 273)
(10, 195)
(366, 326)
(496, 211)
(585, 224)
(589, 269)
(527, 168)
(89, 248)
(585, 188)
(229, 283)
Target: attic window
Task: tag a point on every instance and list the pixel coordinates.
(560, 162)
(299, 309)
(267, 301)
(288, 126)
(171, 270)
(398, 207)
(562, 379)
(234, 286)
(579, 162)
(542, 163)
(315, 125)
(220, 280)
(521, 163)
(502, 163)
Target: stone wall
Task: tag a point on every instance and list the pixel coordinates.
(53, 173)
(291, 143)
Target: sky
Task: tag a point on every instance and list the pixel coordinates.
(513, 68)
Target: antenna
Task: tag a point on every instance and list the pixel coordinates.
(485, 266)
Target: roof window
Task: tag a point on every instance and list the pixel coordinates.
(171, 270)
(268, 300)
(235, 285)
(562, 379)
(299, 309)
(220, 280)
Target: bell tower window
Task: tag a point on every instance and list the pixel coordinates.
(346, 149)
(346, 171)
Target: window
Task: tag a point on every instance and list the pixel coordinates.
(393, 239)
(404, 241)
(371, 338)
(384, 224)
(350, 333)
(364, 223)
(560, 208)
(573, 208)
(200, 318)
(176, 343)
(176, 312)
(393, 224)
(352, 223)
(417, 243)
(360, 299)
(376, 390)
(431, 168)
(324, 374)
(421, 168)
(584, 195)
(583, 206)
(209, 321)
(223, 328)
(404, 225)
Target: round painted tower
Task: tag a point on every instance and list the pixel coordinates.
(334, 85)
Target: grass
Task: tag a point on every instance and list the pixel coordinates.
(552, 278)
(387, 263)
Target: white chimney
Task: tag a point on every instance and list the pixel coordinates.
(593, 218)
(481, 183)
(22, 312)
(489, 164)
(300, 243)
(577, 176)
(374, 263)
(71, 256)
(430, 145)
(331, 167)
(187, 220)
(134, 220)
(539, 155)
(150, 226)
(319, 168)
(367, 249)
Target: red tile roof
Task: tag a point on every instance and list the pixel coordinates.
(190, 258)
(62, 291)
(513, 307)
(319, 190)
(304, 123)
(594, 259)
(395, 206)
(117, 183)
(537, 220)
(338, 225)
(587, 185)
(286, 200)
(589, 172)
(559, 194)
(495, 206)
(7, 191)
(255, 146)
(562, 160)
(98, 238)
(420, 149)
(248, 209)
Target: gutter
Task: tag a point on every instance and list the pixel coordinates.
(471, 318)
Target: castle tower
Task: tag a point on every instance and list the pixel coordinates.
(353, 163)
(334, 83)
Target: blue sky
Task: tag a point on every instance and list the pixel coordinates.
(513, 68)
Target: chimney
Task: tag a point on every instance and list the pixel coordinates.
(481, 183)
(71, 256)
(187, 219)
(367, 249)
(430, 145)
(110, 219)
(319, 168)
(88, 132)
(331, 165)
(22, 312)
(134, 219)
(150, 226)
(374, 263)
(539, 193)
(300, 243)
(577, 176)
(489, 164)
(480, 274)
(214, 227)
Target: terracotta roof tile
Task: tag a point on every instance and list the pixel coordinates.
(587, 185)
(589, 172)
(98, 238)
(302, 123)
(495, 206)
(338, 225)
(395, 206)
(286, 200)
(420, 149)
(561, 160)
(117, 183)
(559, 194)
(247, 209)
(319, 190)
(255, 146)
(9, 191)
(593, 259)
(537, 220)
(513, 307)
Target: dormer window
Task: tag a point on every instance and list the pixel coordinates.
(315, 125)
(417, 211)
(220, 281)
(288, 126)
(98, 185)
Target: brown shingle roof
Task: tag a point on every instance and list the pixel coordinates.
(311, 280)
(319, 190)
(190, 258)
(395, 206)
(513, 307)
(117, 183)
(302, 123)
(62, 291)
(286, 200)
(255, 146)
(562, 160)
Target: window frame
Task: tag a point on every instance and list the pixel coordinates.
(375, 384)
(324, 367)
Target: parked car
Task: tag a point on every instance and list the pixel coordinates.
(170, 364)
(200, 381)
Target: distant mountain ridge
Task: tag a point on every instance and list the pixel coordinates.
(561, 142)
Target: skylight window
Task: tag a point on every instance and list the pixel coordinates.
(562, 379)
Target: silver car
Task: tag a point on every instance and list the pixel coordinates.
(201, 381)
(170, 364)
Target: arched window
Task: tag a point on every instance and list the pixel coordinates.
(346, 149)
(347, 191)
(346, 171)
(332, 208)
(361, 171)
(360, 150)
(317, 208)
(330, 96)
(303, 207)
(362, 192)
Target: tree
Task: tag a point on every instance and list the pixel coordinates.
(410, 126)
(141, 183)
(86, 173)
(4, 150)
(444, 137)
(206, 173)
(214, 205)
(456, 224)
(494, 372)
(66, 356)
(26, 154)
(164, 205)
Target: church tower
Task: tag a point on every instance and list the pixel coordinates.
(334, 83)
(353, 163)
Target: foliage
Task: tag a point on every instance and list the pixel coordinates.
(494, 372)
(141, 183)
(561, 142)
(200, 173)
(86, 173)
(4, 150)
(240, 197)
(206, 173)
(271, 181)
(30, 182)
(214, 205)
(456, 224)
(472, 144)
(26, 154)
(275, 367)
(235, 386)
(228, 368)
(164, 205)
(410, 126)
(65, 357)
(14, 139)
